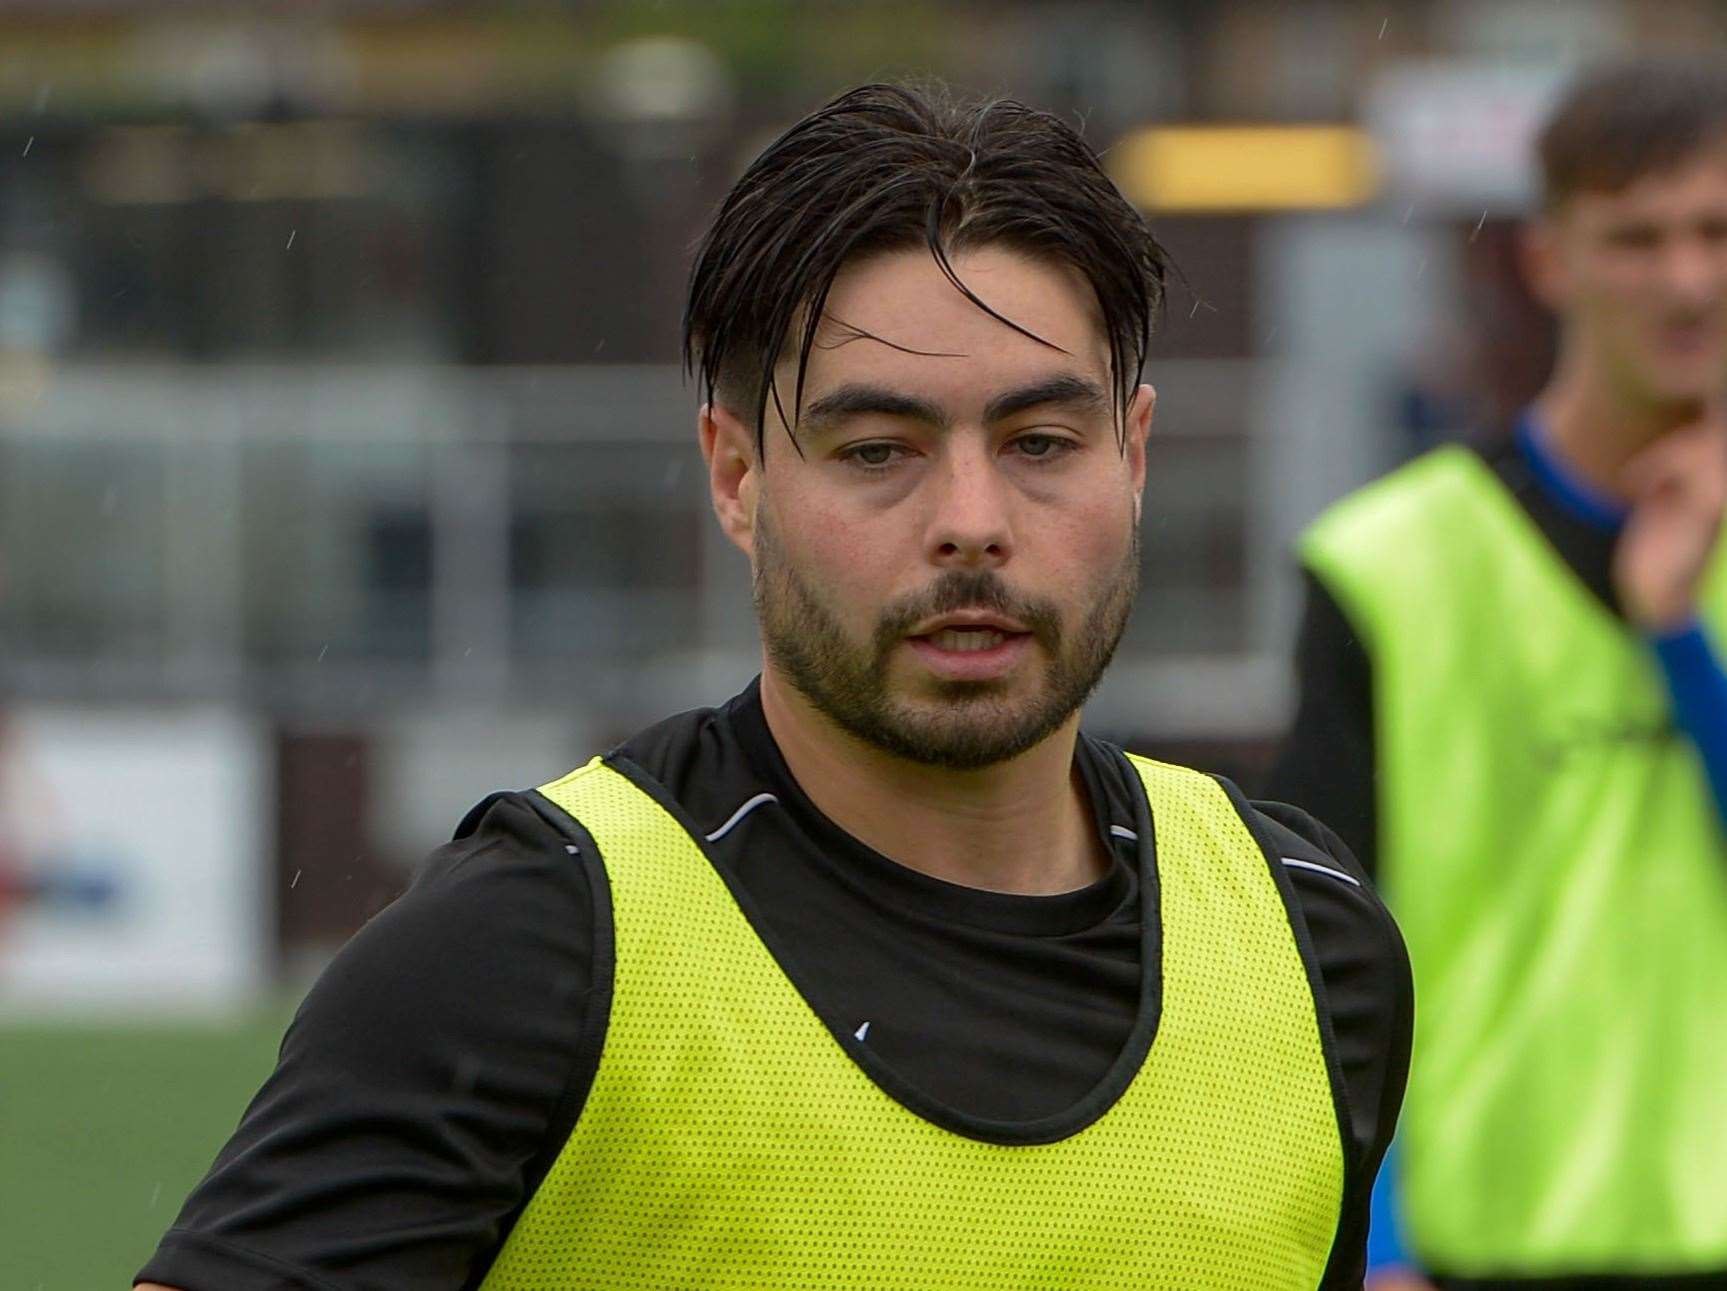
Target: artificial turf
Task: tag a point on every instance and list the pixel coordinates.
(104, 1129)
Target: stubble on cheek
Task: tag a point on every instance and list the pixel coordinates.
(961, 725)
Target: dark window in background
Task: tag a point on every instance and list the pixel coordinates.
(1194, 593)
(1209, 305)
(1193, 572)
(568, 255)
(275, 240)
(1513, 337)
(605, 550)
(336, 550)
(588, 244)
(397, 618)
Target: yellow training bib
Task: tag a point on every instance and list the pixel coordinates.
(730, 1141)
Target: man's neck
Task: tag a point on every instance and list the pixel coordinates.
(1596, 427)
(1022, 826)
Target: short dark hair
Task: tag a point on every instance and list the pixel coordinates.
(1622, 121)
(886, 167)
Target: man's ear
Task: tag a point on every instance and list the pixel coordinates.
(1541, 258)
(734, 473)
(1138, 426)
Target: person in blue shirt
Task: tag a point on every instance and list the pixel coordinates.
(1620, 465)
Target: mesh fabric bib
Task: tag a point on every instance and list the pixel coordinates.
(730, 1141)
(1548, 845)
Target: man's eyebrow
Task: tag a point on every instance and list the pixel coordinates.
(1072, 391)
(857, 399)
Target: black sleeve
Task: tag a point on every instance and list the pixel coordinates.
(1365, 993)
(420, 1087)
(1326, 764)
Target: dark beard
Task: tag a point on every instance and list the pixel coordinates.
(979, 724)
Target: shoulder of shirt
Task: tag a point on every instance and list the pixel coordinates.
(1295, 835)
(670, 750)
(516, 896)
(662, 752)
(499, 908)
(524, 830)
(1284, 833)
(1329, 885)
(506, 835)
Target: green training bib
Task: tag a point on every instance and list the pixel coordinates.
(730, 1141)
(1549, 846)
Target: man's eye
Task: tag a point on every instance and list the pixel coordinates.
(872, 454)
(1636, 237)
(1040, 445)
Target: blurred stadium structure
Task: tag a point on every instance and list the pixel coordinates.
(346, 473)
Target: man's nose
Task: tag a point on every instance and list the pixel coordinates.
(1694, 271)
(970, 518)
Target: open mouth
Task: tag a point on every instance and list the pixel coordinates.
(966, 640)
(968, 653)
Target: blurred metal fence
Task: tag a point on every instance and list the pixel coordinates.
(346, 539)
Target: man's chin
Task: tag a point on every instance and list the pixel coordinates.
(1687, 388)
(961, 745)
(972, 725)
(921, 692)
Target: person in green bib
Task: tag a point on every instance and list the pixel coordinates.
(1512, 706)
(880, 974)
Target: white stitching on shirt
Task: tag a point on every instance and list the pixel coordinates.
(1321, 869)
(739, 814)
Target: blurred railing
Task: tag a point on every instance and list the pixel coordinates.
(330, 539)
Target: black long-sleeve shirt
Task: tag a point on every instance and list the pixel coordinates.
(434, 1072)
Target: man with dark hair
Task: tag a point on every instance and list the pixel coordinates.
(880, 974)
(1512, 709)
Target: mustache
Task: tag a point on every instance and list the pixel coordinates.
(958, 590)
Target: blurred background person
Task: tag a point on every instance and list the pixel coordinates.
(342, 465)
(1519, 639)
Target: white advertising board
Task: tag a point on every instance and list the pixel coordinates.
(133, 847)
(1457, 138)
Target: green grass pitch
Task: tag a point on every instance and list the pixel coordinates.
(104, 1129)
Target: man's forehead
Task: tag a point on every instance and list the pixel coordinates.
(1699, 177)
(904, 302)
